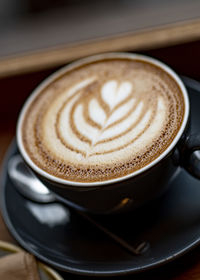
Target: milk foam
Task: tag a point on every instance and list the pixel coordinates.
(103, 121)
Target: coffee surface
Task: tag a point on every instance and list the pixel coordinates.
(103, 120)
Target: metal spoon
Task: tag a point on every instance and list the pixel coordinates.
(26, 182)
(29, 186)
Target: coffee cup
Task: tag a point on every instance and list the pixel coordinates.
(108, 133)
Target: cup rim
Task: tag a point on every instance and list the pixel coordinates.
(83, 61)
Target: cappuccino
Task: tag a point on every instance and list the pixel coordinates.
(103, 119)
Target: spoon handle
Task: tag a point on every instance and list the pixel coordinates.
(139, 249)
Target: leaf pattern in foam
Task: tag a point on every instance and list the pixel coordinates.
(113, 94)
(120, 112)
(96, 112)
(120, 104)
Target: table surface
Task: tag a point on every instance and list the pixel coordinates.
(39, 35)
(14, 91)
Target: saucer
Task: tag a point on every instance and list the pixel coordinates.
(63, 239)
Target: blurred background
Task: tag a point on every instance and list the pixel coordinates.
(38, 37)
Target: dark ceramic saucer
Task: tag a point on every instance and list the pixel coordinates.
(58, 236)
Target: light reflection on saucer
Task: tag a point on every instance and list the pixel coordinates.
(53, 214)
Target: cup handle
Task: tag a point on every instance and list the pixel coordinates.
(190, 155)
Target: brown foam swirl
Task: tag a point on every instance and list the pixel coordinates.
(103, 121)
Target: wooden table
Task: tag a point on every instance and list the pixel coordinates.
(31, 41)
(184, 58)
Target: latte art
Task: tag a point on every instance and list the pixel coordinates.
(103, 120)
(107, 122)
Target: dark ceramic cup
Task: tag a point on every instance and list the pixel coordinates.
(133, 190)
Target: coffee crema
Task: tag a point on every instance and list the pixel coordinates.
(103, 120)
